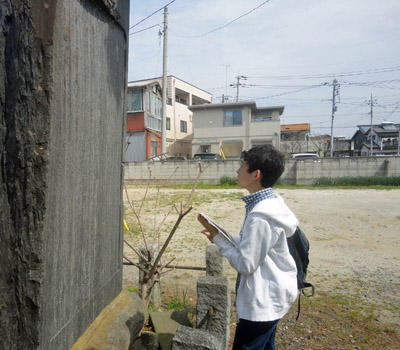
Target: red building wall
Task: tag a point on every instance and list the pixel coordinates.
(135, 122)
(152, 136)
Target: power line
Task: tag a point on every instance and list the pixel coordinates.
(293, 91)
(227, 24)
(330, 75)
(142, 30)
(275, 86)
(151, 14)
(336, 127)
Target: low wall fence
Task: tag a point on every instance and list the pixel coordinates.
(296, 172)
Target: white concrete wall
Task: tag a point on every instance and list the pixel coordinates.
(177, 141)
(296, 172)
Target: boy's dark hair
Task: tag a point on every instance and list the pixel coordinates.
(268, 160)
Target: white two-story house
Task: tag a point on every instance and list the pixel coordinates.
(230, 128)
(144, 117)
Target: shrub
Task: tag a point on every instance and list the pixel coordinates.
(358, 181)
(226, 180)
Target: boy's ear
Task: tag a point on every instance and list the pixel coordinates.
(258, 174)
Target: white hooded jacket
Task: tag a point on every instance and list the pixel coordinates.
(268, 283)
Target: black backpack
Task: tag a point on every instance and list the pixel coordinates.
(299, 247)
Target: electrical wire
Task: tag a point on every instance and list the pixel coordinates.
(142, 30)
(227, 24)
(291, 92)
(330, 75)
(152, 14)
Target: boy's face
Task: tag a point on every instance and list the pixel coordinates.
(249, 181)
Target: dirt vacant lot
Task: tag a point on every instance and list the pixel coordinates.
(354, 236)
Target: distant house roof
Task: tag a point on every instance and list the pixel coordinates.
(295, 127)
(145, 82)
(383, 128)
(150, 81)
(250, 104)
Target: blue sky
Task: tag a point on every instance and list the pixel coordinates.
(284, 46)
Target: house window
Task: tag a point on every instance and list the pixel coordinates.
(205, 148)
(154, 148)
(232, 118)
(261, 117)
(168, 124)
(154, 111)
(183, 126)
(134, 100)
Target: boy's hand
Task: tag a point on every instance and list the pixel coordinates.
(210, 231)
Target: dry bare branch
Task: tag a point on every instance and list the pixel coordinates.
(145, 193)
(196, 182)
(137, 217)
(164, 272)
(139, 254)
(166, 265)
(156, 212)
(154, 267)
(162, 222)
(135, 264)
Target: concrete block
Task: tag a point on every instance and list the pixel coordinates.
(166, 324)
(195, 339)
(117, 325)
(215, 262)
(147, 341)
(213, 306)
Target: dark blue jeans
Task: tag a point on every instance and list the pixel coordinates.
(252, 335)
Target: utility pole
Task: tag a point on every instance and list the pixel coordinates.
(164, 84)
(398, 143)
(237, 85)
(237, 88)
(334, 108)
(372, 103)
(226, 81)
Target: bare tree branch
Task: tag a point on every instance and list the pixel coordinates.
(137, 217)
(135, 264)
(178, 221)
(196, 182)
(163, 220)
(145, 193)
(156, 212)
(139, 254)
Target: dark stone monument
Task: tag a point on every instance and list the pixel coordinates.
(62, 108)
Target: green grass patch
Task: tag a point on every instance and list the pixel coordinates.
(132, 289)
(178, 302)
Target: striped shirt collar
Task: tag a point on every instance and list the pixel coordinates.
(252, 199)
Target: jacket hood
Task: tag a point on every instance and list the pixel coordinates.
(278, 211)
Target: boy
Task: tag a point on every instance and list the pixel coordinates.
(267, 277)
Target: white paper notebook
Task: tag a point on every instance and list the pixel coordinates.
(220, 230)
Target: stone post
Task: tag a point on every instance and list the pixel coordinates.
(213, 306)
(187, 338)
(215, 262)
(156, 294)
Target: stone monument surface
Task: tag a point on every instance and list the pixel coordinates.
(62, 95)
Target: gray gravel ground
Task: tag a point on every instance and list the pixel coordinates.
(354, 236)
